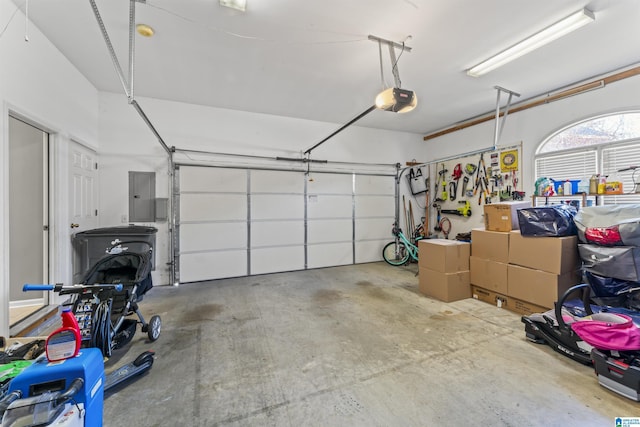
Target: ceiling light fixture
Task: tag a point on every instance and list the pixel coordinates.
(394, 98)
(240, 5)
(549, 34)
(145, 30)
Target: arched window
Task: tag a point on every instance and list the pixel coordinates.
(605, 145)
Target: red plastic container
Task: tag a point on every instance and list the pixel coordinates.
(64, 342)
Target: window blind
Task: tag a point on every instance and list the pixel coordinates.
(619, 157)
(572, 165)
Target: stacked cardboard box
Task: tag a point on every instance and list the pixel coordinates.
(541, 269)
(444, 269)
(522, 274)
(503, 216)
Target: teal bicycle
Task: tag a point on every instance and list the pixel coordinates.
(401, 250)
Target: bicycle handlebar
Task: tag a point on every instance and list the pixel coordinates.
(70, 289)
(29, 287)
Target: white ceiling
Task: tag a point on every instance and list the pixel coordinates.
(312, 59)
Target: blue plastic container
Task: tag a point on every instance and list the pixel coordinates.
(58, 376)
(559, 182)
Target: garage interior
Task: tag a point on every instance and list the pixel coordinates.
(274, 153)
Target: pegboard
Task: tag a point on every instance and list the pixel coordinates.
(460, 187)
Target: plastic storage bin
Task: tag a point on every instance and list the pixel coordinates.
(91, 245)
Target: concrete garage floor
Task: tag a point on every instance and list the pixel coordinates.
(348, 346)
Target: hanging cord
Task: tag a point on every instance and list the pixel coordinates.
(308, 173)
(384, 86)
(102, 328)
(26, 21)
(445, 226)
(395, 66)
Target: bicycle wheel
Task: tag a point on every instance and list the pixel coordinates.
(395, 253)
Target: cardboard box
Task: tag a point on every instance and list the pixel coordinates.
(538, 287)
(487, 274)
(445, 256)
(502, 301)
(445, 287)
(491, 245)
(613, 187)
(503, 216)
(556, 255)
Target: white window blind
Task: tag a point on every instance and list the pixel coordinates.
(619, 157)
(572, 165)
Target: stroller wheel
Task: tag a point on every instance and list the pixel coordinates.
(154, 327)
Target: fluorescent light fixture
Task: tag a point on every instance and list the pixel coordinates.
(396, 100)
(549, 34)
(234, 4)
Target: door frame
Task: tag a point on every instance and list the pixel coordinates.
(46, 236)
(58, 250)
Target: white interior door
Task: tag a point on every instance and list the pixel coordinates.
(83, 197)
(28, 214)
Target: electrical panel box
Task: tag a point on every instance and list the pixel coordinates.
(142, 196)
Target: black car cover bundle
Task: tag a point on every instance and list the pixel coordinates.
(608, 286)
(619, 262)
(609, 225)
(549, 221)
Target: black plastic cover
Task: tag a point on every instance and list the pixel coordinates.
(619, 262)
(547, 221)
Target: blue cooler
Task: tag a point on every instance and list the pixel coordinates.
(43, 376)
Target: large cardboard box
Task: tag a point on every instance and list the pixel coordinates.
(556, 255)
(491, 245)
(503, 216)
(446, 287)
(445, 256)
(488, 274)
(502, 301)
(538, 287)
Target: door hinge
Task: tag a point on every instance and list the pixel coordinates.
(45, 228)
(96, 212)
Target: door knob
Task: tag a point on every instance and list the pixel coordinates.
(75, 225)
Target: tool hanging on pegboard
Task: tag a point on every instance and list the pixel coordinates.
(482, 182)
(441, 196)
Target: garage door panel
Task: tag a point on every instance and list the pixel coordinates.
(322, 231)
(213, 265)
(269, 233)
(324, 183)
(328, 206)
(213, 179)
(371, 184)
(277, 206)
(276, 182)
(220, 208)
(330, 254)
(375, 206)
(212, 236)
(213, 207)
(273, 260)
(374, 228)
(370, 251)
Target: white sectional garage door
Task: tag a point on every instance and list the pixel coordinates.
(239, 222)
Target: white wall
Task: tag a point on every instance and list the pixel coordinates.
(38, 83)
(126, 144)
(532, 126)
